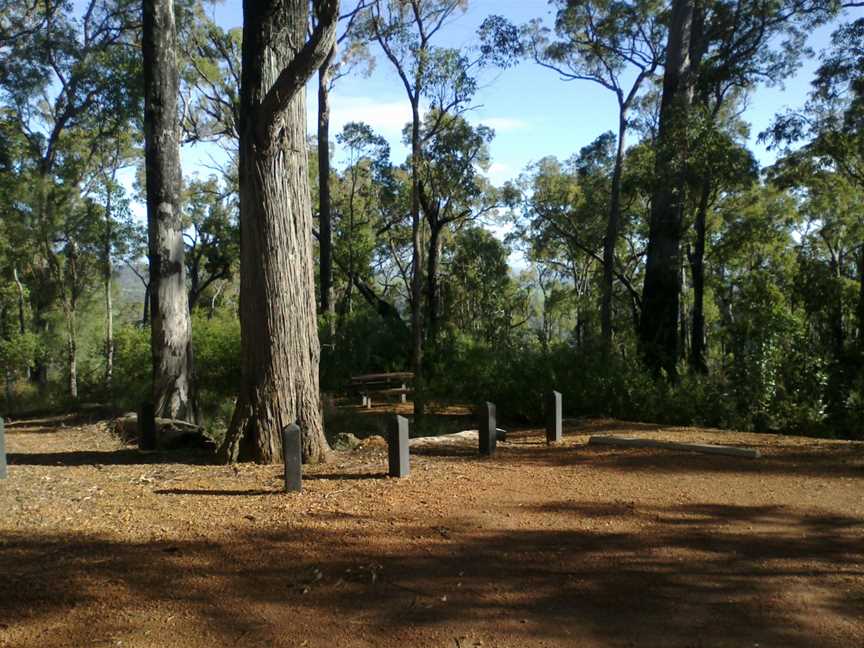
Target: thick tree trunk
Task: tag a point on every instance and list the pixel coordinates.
(171, 329)
(698, 363)
(279, 337)
(416, 262)
(612, 226)
(662, 289)
(325, 239)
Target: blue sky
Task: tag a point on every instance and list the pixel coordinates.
(533, 112)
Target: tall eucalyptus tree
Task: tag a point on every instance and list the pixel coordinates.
(171, 326)
(279, 336)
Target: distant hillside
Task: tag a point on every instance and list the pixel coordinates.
(129, 286)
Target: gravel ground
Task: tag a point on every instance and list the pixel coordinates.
(568, 545)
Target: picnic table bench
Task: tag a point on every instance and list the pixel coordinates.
(381, 384)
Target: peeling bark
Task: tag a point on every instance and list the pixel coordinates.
(171, 329)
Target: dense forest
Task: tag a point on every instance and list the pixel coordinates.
(659, 273)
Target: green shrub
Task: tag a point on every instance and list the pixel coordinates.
(216, 344)
(132, 366)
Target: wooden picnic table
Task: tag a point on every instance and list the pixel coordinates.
(382, 384)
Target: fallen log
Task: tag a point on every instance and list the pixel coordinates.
(630, 442)
(171, 434)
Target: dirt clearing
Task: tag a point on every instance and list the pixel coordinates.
(539, 546)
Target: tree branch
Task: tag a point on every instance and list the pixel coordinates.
(310, 57)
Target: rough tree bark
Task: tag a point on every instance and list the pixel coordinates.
(658, 334)
(171, 329)
(279, 338)
(325, 240)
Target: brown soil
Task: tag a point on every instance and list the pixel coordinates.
(540, 546)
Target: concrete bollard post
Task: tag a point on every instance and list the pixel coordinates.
(553, 417)
(292, 458)
(397, 447)
(488, 430)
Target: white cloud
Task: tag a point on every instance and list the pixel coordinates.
(504, 124)
(385, 117)
(498, 173)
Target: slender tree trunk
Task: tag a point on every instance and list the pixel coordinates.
(279, 337)
(861, 295)
(836, 313)
(682, 313)
(698, 363)
(145, 312)
(70, 307)
(109, 331)
(416, 261)
(39, 374)
(72, 355)
(612, 226)
(388, 312)
(432, 289)
(325, 240)
(662, 289)
(20, 288)
(171, 329)
(109, 306)
(214, 300)
(22, 324)
(193, 276)
(54, 271)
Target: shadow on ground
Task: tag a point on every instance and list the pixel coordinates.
(528, 448)
(700, 577)
(121, 457)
